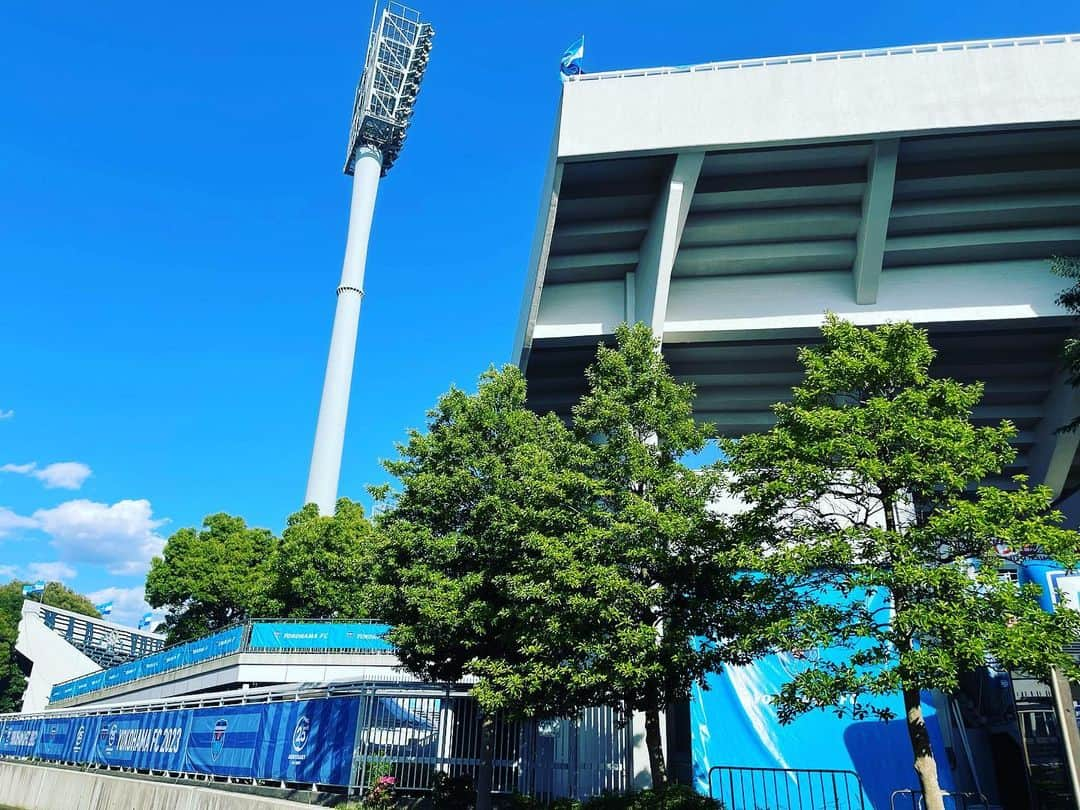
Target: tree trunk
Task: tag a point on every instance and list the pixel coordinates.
(487, 765)
(655, 745)
(925, 766)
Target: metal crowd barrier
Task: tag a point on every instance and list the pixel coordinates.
(743, 788)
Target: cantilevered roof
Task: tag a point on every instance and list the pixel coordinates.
(731, 205)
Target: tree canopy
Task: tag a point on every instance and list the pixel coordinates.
(211, 578)
(319, 568)
(668, 598)
(868, 485)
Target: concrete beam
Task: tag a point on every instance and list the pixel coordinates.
(541, 246)
(1053, 451)
(738, 307)
(876, 204)
(652, 278)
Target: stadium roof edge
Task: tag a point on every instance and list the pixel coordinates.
(828, 56)
(820, 98)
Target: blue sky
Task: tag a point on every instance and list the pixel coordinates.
(172, 221)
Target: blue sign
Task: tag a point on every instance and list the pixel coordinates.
(295, 741)
(319, 636)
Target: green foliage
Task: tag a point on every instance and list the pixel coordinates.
(477, 548)
(210, 579)
(672, 797)
(12, 682)
(321, 564)
(1069, 267)
(866, 486)
(664, 571)
(452, 792)
(565, 568)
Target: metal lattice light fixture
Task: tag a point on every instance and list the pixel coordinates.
(398, 52)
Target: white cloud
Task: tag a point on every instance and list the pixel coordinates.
(129, 605)
(50, 571)
(122, 537)
(59, 475)
(8, 414)
(9, 522)
(9, 571)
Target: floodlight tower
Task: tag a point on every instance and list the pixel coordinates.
(398, 49)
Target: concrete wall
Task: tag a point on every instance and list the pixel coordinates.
(53, 659)
(33, 787)
(841, 98)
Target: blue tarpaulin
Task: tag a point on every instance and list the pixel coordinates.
(733, 723)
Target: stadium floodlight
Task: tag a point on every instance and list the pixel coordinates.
(398, 50)
(397, 57)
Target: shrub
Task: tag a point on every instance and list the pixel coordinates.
(452, 792)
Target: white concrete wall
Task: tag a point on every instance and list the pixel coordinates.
(35, 787)
(53, 659)
(842, 98)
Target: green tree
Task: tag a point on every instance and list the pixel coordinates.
(474, 557)
(319, 567)
(667, 601)
(210, 579)
(1069, 298)
(865, 487)
(12, 682)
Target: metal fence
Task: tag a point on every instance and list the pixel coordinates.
(410, 732)
(739, 788)
(413, 737)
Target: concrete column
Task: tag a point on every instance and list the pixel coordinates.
(334, 408)
(652, 277)
(1053, 451)
(874, 225)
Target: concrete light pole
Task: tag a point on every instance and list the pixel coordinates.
(398, 50)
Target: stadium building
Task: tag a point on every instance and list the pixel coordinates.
(729, 206)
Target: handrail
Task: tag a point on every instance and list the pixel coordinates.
(829, 56)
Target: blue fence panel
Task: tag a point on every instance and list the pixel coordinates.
(224, 740)
(318, 636)
(309, 741)
(147, 741)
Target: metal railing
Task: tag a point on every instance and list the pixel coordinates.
(411, 733)
(832, 56)
(745, 788)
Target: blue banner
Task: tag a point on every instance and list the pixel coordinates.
(318, 636)
(294, 741)
(182, 655)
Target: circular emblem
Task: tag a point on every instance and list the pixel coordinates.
(300, 734)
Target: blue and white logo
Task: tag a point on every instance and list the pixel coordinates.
(79, 738)
(217, 741)
(300, 734)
